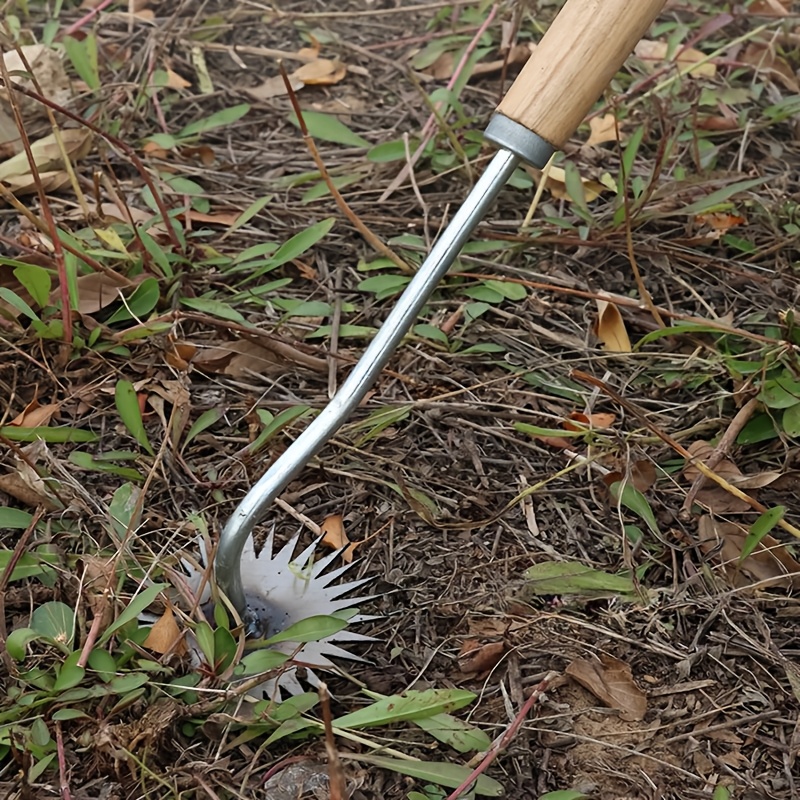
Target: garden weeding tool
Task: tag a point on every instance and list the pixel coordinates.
(566, 73)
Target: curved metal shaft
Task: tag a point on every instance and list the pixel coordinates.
(363, 375)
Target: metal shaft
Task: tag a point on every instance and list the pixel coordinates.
(364, 373)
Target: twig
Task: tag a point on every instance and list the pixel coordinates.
(371, 238)
(499, 744)
(63, 779)
(338, 784)
(722, 449)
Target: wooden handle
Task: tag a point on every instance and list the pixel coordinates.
(573, 64)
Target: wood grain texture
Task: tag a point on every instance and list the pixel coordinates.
(578, 56)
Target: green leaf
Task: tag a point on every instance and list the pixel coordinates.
(711, 201)
(456, 733)
(18, 640)
(17, 302)
(322, 189)
(296, 246)
(329, 129)
(127, 402)
(123, 684)
(790, 422)
(442, 773)
(103, 663)
(627, 495)
(83, 55)
(274, 425)
(431, 332)
(135, 607)
(254, 208)
(30, 564)
(143, 300)
(760, 428)
(574, 186)
(572, 577)
(391, 151)
(217, 120)
(225, 647)
(88, 462)
(203, 422)
(215, 308)
(40, 736)
(66, 714)
(55, 622)
(58, 435)
(384, 285)
(564, 794)
(37, 282)
(311, 629)
(760, 528)
(781, 392)
(535, 430)
(345, 331)
(69, 674)
(413, 705)
(205, 641)
(511, 291)
(261, 661)
(14, 518)
(289, 728)
(721, 792)
(124, 508)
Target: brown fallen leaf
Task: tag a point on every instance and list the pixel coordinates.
(610, 328)
(321, 72)
(35, 415)
(611, 682)
(603, 129)
(476, 658)
(642, 474)
(770, 561)
(51, 78)
(584, 421)
(99, 578)
(764, 58)
(165, 636)
(651, 53)
(226, 218)
(713, 496)
(176, 81)
(15, 486)
(96, 291)
(557, 184)
(47, 154)
(242, 357)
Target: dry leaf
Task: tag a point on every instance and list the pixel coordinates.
(226, 218)
(35, 415)
(611, 682)
(557, 186)
(603, 129)
(720, 222)
(321, 72)
(713, 496)
(175, 81)
(516, 55)
(769, 8)
(333, 532)
(15, 486)
(610, 328)
(21, 185)
(242, 357)
(642, 474)
(770, 561)
(273, 87)
(99, 577)
(764, 58)
(47, 153)
(651, 52)
(51, 78)
(165, 635)
(600, 420)
(477, 658)
(96, 291)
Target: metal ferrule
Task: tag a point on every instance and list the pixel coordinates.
(510, 135)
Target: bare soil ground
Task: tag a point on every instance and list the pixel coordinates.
(439, 496)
